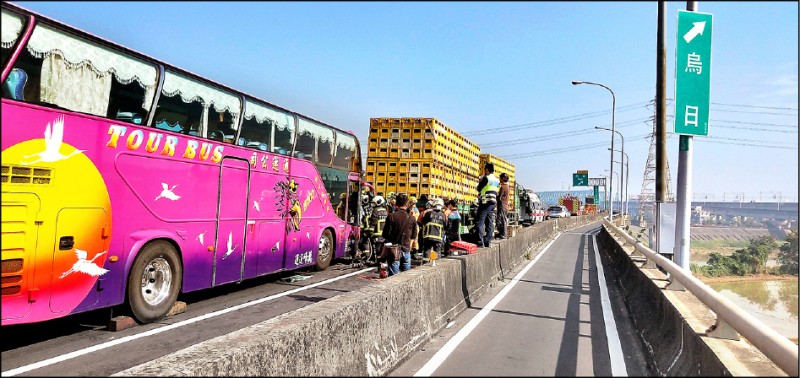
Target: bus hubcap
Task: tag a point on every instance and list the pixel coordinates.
(156, 281)
(324, 249)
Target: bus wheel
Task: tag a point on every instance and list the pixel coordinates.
(154, 281)
(325, 252)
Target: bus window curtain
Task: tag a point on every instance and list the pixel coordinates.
(76, 87)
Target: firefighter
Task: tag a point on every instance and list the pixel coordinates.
(433, 227)
(373, 232)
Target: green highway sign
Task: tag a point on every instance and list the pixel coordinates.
(692, 73)
(580, 179)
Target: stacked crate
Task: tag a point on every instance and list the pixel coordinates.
(421, 156)
(501, 166)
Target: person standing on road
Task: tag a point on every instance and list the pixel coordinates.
(502, 206)
(400, 230)
(414, 213)
(487, 195)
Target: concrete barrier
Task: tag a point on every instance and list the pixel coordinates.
(362, 333)
(671, 324)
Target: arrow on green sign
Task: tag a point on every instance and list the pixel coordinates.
(697, 29)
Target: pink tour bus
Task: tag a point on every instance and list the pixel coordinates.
(126, 180)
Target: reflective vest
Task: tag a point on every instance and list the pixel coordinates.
(434, 229)
(489, 191)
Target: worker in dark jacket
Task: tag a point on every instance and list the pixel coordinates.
(502, 206)
(434, 224)
(453, 231)
(400, 229)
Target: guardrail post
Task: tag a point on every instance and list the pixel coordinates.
(722, 330)
(649, 264)
(674, 284)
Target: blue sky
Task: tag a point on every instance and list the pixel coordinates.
(485, 66)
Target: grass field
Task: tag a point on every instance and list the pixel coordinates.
(719, 244)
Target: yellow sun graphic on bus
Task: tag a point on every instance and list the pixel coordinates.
(70, 216)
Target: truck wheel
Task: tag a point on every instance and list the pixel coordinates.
(154, 281)
(325, 251)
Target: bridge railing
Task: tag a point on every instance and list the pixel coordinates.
(731, 319)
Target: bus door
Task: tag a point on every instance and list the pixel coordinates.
(79, 258)
(233, 199)
(353, 218)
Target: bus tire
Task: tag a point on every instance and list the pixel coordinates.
(154, 282)
(325, 251)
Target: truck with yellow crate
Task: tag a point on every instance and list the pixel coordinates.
(422, 155)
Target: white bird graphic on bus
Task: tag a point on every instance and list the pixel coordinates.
(52, 144)
(201, 236)
(167, 192)
(230, 244)
(255, 204)
(86, 266)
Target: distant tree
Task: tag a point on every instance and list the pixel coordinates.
(758, 251)
(787, 257)
(750, 260)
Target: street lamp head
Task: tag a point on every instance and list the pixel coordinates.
(575, 82)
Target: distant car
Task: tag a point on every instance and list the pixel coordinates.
(558, 212)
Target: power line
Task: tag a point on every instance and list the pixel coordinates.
(557, 135)
(740, 140)
(749, 145)
(755, 123)
(550, 122)
(756, 129)
(753, 106)
(639, 137)
(569, 148)
(755, 112)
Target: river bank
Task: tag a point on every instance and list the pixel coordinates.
(757, 277)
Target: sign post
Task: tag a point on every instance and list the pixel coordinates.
(596, 183)
(692, 103)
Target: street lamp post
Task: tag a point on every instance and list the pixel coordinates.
(613, 129)
(627, 174)
(620, 163)
(611, 180)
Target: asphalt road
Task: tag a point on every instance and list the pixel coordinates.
(81, 344)
(545, 319)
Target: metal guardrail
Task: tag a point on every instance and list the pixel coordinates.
(730, 317)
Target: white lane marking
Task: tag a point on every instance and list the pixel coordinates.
(618, 368)
(442, 354)
(109, 344)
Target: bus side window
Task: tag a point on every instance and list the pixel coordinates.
(197, 108)
(221, 126)
(71, 72)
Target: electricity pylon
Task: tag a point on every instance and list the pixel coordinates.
(647, 197)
